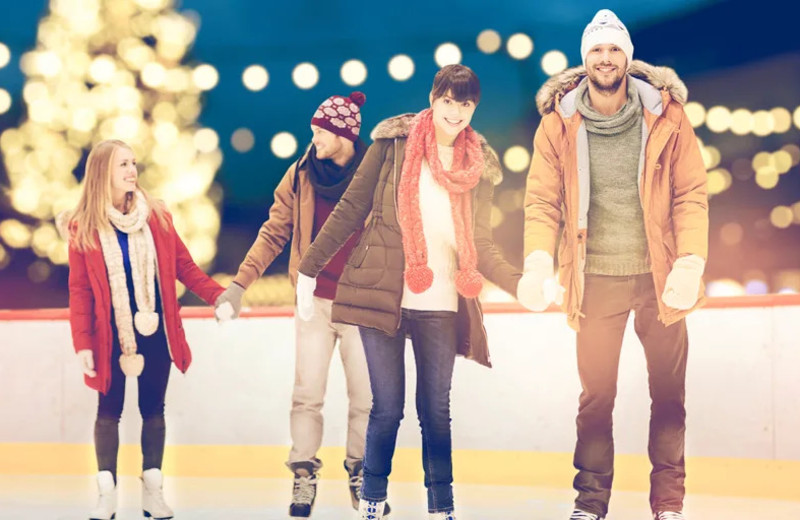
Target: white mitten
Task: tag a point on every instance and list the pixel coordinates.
(683, 282)
(86, 358)
(538, 287)
(305, 296)
(229, 304)
(224, 311)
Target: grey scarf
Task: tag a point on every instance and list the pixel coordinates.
(622, 121)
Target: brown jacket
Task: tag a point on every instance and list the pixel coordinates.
(371, 287)
(672, 182)
(291, 215)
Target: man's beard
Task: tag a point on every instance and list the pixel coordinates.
(607, 89)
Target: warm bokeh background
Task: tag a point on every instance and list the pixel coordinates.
(216, 98)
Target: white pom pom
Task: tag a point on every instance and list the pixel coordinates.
(131, 365)
(146, 322)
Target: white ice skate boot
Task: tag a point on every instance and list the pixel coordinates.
(450, 515)
(106, 508)
(370, 510)
(153, 505)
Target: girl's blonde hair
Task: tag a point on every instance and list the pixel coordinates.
(92, 214)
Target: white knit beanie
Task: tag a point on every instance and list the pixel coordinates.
(605, 27)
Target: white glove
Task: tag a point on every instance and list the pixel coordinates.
(86, 359)
(224, 312)
(538, 287)
(683, 283)
(305, 296)
(229, 303)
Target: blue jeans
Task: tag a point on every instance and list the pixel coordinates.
(433, 337)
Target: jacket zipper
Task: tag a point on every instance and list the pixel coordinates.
(394, 187)
(296, 210)
(397, 216)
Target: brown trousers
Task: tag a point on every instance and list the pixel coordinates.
(607, 303)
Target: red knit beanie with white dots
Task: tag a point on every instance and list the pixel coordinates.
(341, 115)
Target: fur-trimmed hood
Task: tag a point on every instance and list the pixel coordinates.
(398, 127)
(649, 79)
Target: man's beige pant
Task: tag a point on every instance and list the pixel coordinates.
(316, 340)
(607, 303)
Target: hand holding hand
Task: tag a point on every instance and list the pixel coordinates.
(229, 304)
(538, 287)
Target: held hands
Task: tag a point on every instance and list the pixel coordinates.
(229, 304)
(305, 296)
(683, 282)
(86, 359)
(538, 287)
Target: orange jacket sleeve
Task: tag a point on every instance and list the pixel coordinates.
(689, 194)
(543, 195)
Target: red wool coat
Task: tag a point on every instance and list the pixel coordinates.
(90, 300)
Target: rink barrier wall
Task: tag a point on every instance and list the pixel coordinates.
(228, 417)
(754, 478)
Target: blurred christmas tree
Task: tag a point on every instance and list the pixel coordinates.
(112, 69)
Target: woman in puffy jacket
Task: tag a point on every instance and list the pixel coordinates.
(426, 183)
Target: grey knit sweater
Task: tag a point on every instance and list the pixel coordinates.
(616, 241)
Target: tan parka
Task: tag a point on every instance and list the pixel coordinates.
(672, 182)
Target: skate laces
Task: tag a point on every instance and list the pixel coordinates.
(355, 483)
(670, 515)
(369, 510)
(583, 515)
(304, 489)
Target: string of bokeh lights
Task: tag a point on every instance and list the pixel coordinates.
(116, 71)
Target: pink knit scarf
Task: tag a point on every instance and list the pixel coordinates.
(465, 173)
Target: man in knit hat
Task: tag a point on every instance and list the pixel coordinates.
(304, 198)
(615, 158)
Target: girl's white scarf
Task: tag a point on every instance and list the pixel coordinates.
(142, 252)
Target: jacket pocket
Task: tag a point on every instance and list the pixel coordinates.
(367, 268)
(358, 255)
